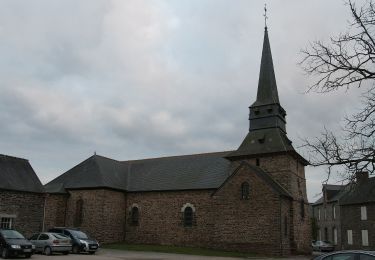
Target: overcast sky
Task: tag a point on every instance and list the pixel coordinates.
(137, 79)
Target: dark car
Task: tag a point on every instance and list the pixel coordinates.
(323, 246)
(12, 243)
(348, 255)
(80, 241)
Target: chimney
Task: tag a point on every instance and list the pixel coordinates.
(361, 177)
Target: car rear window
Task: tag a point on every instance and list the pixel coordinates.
(58, 236)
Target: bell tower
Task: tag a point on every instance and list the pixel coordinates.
(267, 146)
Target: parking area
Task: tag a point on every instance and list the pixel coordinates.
(107, 254)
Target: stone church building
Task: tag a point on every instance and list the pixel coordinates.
(251, 199)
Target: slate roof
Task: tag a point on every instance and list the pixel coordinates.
(263, 141)
(18, 175)
(187, 172)
(198, 171)
(352, 193)
(358, 193)
(267, 88)
(96, 171)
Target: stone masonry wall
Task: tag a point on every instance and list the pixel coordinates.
(252, 224)
(103, 213)
(26, 208)
(290, 174)
(327, 222)
(161, 219)
(222, 220)
(55, 210)
(351, 220)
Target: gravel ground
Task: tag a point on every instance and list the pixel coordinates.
(108, 254)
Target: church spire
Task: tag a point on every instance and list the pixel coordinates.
(267, 88)
(267, 131)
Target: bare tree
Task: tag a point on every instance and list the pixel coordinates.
(348, 60)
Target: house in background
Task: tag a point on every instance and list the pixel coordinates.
(21, 196)
(251, 199)
(345, 214)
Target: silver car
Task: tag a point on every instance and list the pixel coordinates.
(48, 243)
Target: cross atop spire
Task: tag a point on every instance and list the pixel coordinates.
(265, 16)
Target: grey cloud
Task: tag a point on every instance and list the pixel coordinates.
(135, 79)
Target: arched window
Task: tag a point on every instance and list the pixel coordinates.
(188, 217)
(79, 213)
(285, 226)
(135, 216)
(245, 191)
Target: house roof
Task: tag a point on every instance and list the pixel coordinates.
(360, 192)
(334, 193)
(18, 175)
(352, 193)
(188, 172)
(198, 171)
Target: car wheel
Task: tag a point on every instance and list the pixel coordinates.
(4, 253)
(91, 252)
(47, 250)
(66, 253)
(27, 255)
(75, 249)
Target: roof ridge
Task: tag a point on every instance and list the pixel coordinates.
(174, 156)
(104, 157)
(3, 156)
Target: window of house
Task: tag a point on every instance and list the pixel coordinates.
(6, 222)
(363, 213)
(319, 234)
(326, 238)
(364, 238)
(79, 213)
(245, 191)
(188, 217)
(325, 212)
(334, 231)
(350, 237)
(134, 216)
(334, 211)
(319, 214)
(302, 208)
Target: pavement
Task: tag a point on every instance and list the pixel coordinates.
(109, 254)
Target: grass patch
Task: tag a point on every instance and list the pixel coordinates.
(177, 250)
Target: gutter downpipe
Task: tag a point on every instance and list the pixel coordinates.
(280, 226)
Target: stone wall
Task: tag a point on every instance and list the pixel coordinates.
(223, 219)
(55, 210)
(327, 222)
(253, 224)
(26, 208)
(351, 220)
(290, 173)
(103, 213)
(161, 219)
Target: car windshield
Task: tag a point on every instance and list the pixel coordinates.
(11, 234)
(78, 234)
